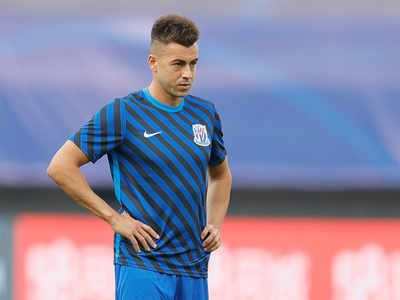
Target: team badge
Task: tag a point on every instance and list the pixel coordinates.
(200, 135)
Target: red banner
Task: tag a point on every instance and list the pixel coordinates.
(70, 257)
(63, 257)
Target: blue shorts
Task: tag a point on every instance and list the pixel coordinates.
(138, 284)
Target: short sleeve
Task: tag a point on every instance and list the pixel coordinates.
(103, 133)
(218, 151)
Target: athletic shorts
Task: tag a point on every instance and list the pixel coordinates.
(138, 284)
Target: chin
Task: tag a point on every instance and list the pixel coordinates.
(181, 93)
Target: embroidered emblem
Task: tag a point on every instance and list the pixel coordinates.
(200, 135)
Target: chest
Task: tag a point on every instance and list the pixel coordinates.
(169, 141)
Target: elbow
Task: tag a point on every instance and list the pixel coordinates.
(229, 177)
(53, 171)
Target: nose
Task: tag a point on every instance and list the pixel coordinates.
(187, 72)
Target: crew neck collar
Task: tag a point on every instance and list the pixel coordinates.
(161, 105)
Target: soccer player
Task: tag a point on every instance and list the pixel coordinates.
(161, 144)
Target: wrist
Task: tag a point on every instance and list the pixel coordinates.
(215, 225)
(111, 218)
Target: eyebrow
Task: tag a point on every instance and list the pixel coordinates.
(181, 60)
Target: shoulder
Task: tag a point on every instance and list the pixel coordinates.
(111, 107)
(132, 97)
(132, 101)
(115, 107)
(205, 105)
(201, 101)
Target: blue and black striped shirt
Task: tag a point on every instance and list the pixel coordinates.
(159, 156)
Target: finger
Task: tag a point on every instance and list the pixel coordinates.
(148, 238)
(211, 244)
(211, 237)
(134, 243)
(215, 247)
(151, 231)
(205, 231)
(142, 240)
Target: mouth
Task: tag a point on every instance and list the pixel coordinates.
(184, 85)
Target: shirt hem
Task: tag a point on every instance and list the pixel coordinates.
(200, 275)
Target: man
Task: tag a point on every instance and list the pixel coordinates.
(161, 144)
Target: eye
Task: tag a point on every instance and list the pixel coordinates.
(178, 64)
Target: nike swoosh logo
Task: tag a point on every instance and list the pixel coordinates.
(147, 135)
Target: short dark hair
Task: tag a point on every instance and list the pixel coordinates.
(174, 28)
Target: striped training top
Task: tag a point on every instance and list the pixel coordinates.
(158, 156)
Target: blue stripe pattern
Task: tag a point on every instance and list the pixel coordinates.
(159, 157)
(117, 189)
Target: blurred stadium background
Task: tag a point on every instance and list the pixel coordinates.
(309, 95)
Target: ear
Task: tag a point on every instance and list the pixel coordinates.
(153, 63)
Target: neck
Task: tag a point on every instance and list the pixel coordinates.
(158, 93)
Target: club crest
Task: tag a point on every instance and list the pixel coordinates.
(200, 135)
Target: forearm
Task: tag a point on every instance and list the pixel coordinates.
(218, 196)
(71, 180)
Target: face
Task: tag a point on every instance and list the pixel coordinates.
(174, 68)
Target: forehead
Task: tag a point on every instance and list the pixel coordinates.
(173, 51)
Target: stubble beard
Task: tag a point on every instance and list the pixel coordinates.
(173, 90)
(176, 93)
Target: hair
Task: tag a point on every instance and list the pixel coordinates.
(174, 28)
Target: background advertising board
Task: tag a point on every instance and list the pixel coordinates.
(68, 257)
(63, 257)
(307, 259)
(5, 258)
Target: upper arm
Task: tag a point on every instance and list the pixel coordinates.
(220, 171)
(69, 154)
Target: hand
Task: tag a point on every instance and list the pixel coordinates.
(212, 237)
(135, 231)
